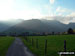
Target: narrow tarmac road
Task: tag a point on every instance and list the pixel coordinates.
(18, 49)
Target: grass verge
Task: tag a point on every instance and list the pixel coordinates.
(54, 45)
(5, 42)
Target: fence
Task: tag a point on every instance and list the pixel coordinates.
(36, 44)
(65, 51)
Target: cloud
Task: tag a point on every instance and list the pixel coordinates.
(5, 9)
(60, 9)
(63, 19)
(72, 14)
(8, 10)
(73, 20)
(52, 1)
(48, 9)
(61, 14)
(26, 14)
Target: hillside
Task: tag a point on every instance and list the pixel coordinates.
(4, 25)
(36, 25)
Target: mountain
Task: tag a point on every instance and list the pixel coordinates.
(33, 25)
(56, 25)
(36, 25)
(71, 25)
(4, 25)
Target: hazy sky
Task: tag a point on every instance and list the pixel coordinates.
(27, 9)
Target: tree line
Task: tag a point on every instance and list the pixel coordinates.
(69, 31)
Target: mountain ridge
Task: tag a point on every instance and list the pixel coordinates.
(36, 25)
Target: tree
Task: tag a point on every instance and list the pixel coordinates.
(27, 33)
(52, 33)
(74, 31)
(70, 31)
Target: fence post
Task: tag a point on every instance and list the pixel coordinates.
(26, 38)
(37, 43)
(45, 47)
(29, 40)
(65, 47)
(32, 42)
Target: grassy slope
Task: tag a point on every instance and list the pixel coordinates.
(5, 42)
(55, 44)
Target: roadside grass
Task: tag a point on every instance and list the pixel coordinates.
(54, 45)
(5, 42)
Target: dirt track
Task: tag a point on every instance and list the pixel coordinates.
(18, 49)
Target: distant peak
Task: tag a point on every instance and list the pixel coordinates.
(33, 19)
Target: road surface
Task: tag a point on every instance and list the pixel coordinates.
(18, 49)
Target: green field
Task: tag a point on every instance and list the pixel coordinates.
(55, 44)
(5, 42)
